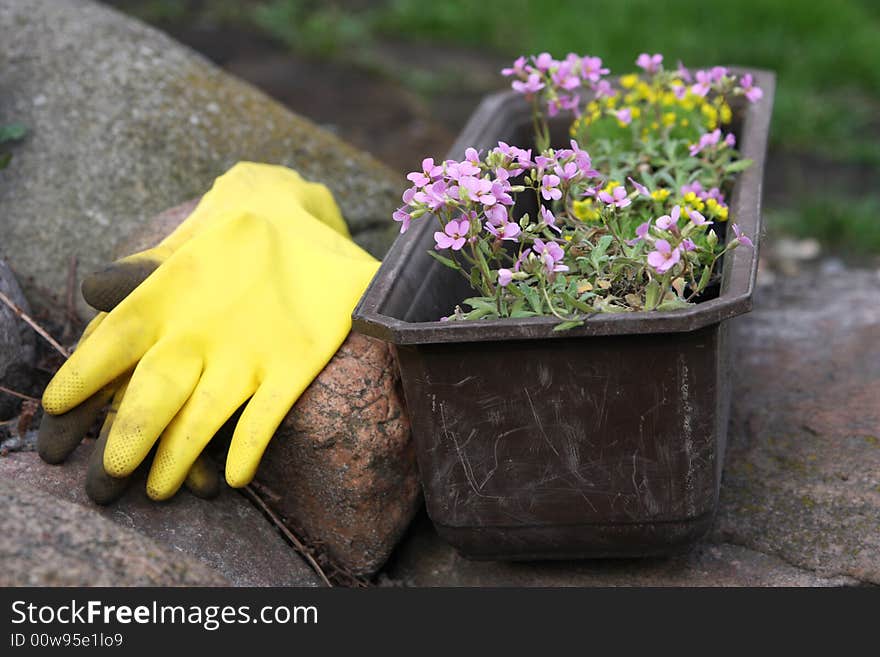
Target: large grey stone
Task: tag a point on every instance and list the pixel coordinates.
(800, 498)
(124, 122)
(803, 471)
(46, 541)
(226, 535)
(425, 560)
(16, 342)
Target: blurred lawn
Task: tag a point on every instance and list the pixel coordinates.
(826, 54)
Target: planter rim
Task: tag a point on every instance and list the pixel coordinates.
(738, 274)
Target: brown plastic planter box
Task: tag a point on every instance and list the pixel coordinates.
(605, 440)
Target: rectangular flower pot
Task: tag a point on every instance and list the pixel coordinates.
(604, 440)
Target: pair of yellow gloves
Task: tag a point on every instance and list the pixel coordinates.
(247, 300)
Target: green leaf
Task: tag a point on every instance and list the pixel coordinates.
(533, 298)
(704, 279)
(739, 165)
(4, 160)
(652, 294)
(575, 303)
(565, 326)
(673, 304)
(12, 132)
(452, 264)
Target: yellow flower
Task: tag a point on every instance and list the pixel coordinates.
(722, 213)
(684, 123)
(629, 81)
(610, 186)
(711, 115)
(660, 194)
(592, 106)
(567, 238)
(693, 200)
(654, 125)
(669, 119)
(585, 211)
(725, 113)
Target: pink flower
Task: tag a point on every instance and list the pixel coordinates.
(454, 235)
(703, 85)
(717, 73)
(583, 161)
(624, 115)
(741, 237)
(544, 61)
(753, 93)
(519, 68)
(641, 189)
(706, 140)
(603, 89)
(427, 175)
(505, 276)
(641, 233)
(548, 218)
(496, 214)
(667, 222)
(567, 172)
(507, 230)
(688, 244)
(551, 254)
(683, 73)
(694, 187)
(404, 217)
(532, 84)
(437, 195)
(664, 257)
(650, 63)
(698, 219)
(549, 190)
(565, 78)
(617, 198)
(478, 189)
(591, 69)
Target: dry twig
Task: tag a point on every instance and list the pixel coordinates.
(20, 395)
(256, 499)
(33, 324)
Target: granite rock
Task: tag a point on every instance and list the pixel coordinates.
(47, 541)
(125, 122)
(227, 537)
(16, 343)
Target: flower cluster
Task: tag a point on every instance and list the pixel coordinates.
(640, 225)
(555, 85)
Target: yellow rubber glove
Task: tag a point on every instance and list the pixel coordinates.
(247, 304)
(264, 189)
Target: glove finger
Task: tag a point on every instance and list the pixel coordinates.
(257, 425)
(59, 435)
(217, 396)
(105, 289)
(101, 487)
(91, 327)
(203, 479)
(162, 382)
(112, 349)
